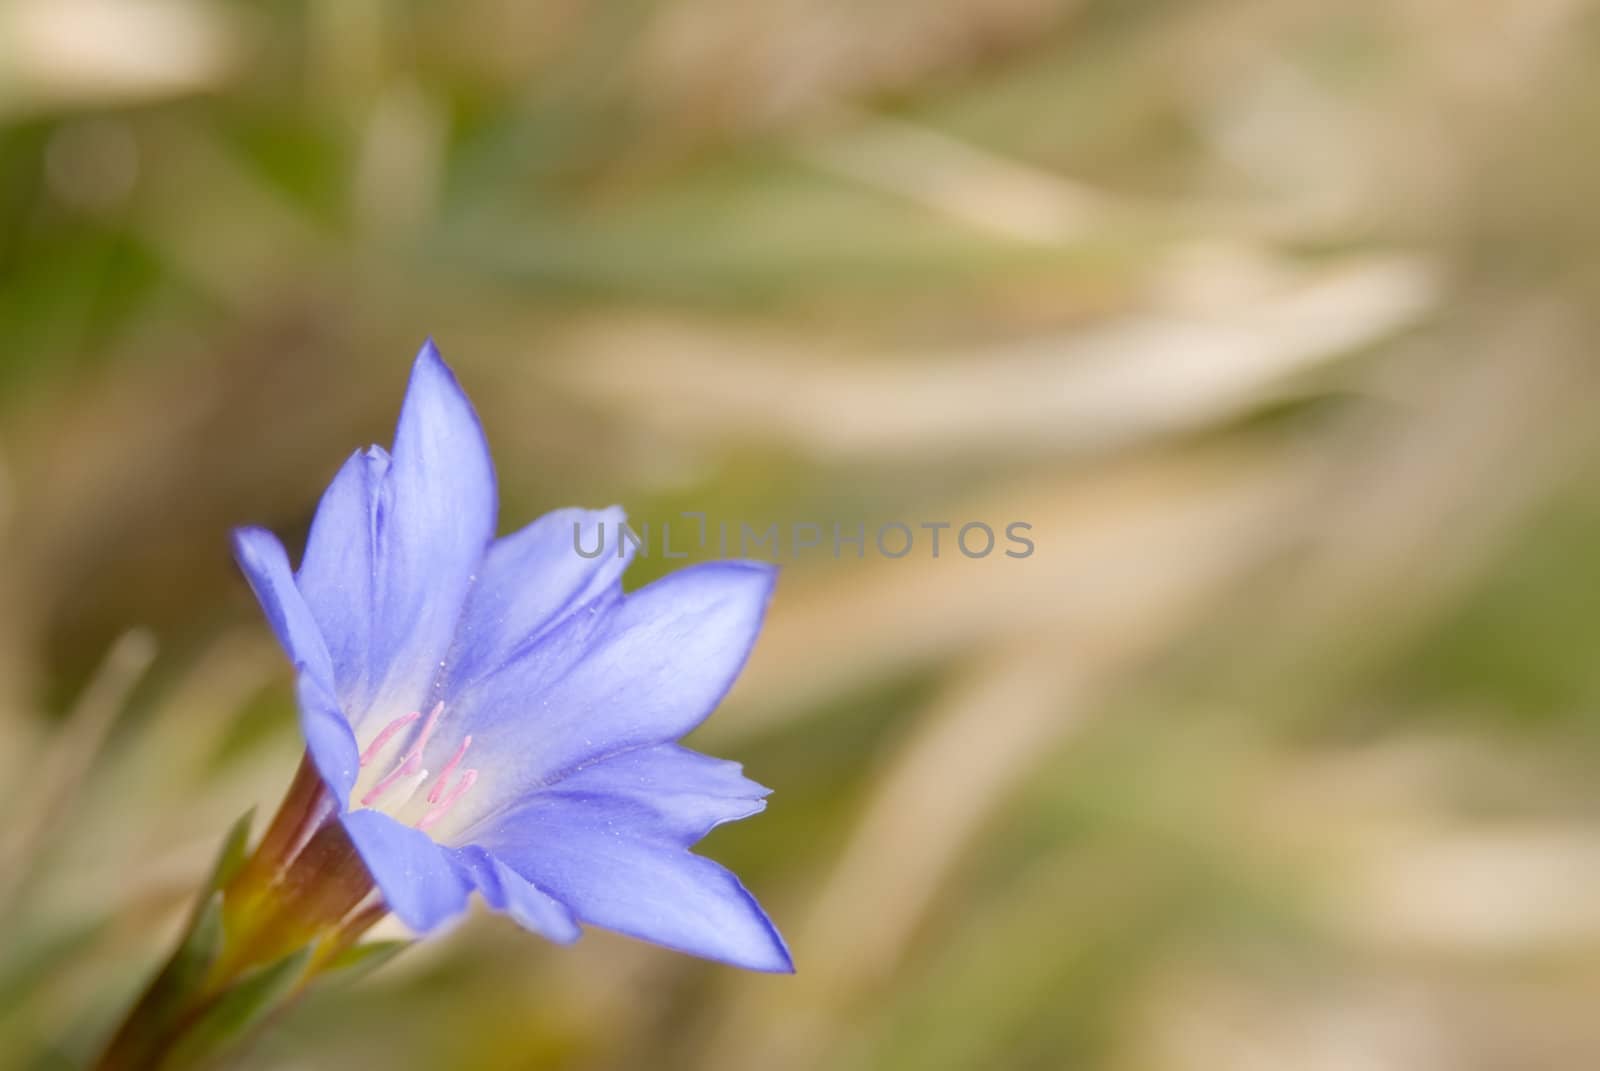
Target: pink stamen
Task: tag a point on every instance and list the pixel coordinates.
(428, 726)
(387, 735)
(406, 768)
(468, 779)
(449, 768)
(412, 760)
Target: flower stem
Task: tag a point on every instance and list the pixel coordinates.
(302, 897)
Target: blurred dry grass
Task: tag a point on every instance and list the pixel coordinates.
(1276, 320)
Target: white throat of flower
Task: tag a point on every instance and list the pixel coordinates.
(392, 775)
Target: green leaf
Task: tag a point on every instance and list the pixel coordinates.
(234, 1014)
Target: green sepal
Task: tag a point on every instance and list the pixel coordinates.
(360, 960)
(232, 855)
(238, 1010)
(186, 971)
(201, 945)
(162, 1007)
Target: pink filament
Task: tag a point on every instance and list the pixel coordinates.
(411, 761)
(410, 765)
(468, 779)
(449, 768)
(387, 735)
(405, 769)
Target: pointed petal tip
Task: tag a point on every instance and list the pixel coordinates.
(434, 378)
(769, 570)
(435, 405)
(648, 888)
(430, 372)
(750, 810)
(764, 949)
(251, 541)
(780, 960)
(749, 789)
(756, 578)
(775, 959)
(763, 576)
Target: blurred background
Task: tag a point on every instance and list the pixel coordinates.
(1276, 319)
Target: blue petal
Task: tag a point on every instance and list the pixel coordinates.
(507, 891)
(340, 572)
(678, 794)
(620, 674)
(596, 856)
(329, 738)
(265, 565)
(401, 547)
(416, 877)
(531, 580)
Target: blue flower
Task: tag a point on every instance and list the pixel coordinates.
(496, 715)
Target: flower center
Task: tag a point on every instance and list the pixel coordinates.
(405, 778)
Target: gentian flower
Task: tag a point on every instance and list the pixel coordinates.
(495, 715)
